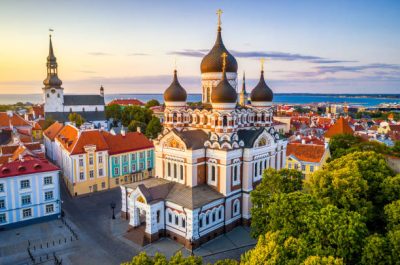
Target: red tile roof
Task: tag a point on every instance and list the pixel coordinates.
(126, 102)
(131, 141)
(38, 110)
(341, 126)
(53, 130)
(29, 165)
(14, 120)
(306, 152)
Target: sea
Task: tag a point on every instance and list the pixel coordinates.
(351, 99)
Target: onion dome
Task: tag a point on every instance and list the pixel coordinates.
(223, 92)
(52, 79)
(261, 93)
(212, 62)
(175, 92)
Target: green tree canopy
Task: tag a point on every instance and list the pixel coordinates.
(153, 128)
(114, 112)
(132, 127)
(152, 103)
(76, 118)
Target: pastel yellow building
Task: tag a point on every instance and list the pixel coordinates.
(306, 158)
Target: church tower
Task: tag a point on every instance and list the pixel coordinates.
(243, 94)
(211, 66)
(53, 93)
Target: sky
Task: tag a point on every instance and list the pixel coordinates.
(131, 46)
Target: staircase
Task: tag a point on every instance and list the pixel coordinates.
(137, 235)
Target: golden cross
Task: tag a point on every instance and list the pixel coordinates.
(262, 60)
(224, 55)
(219, 13)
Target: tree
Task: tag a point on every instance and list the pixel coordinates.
(76, 118)
(159, 259)
(152, 103)
(375, 250)
(339, 144)
(393, 237)
(132, 127)
(153, 128)
(392, 213)
(318, 260)
(114, 112)
(226, 262)
(391, 188)
(48, 122)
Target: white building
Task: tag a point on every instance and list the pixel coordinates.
(58, 106)
(208, 160)
(29, 192)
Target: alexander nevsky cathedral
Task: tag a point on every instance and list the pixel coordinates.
(208, 158)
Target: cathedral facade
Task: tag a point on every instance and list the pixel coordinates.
(58, 106)
(208, 159)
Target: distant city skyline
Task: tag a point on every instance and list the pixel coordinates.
(131, 46)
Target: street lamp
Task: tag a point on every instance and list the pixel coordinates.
(112, 204)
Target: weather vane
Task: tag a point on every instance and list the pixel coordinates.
(224, 55)
(262, 60)
(50, 31)
(219, 13)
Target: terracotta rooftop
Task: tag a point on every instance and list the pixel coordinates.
(306, 152)
(15, 120)
(129, 142)
(53, 130)
(341, 126)
(126, 102)
(28, 165)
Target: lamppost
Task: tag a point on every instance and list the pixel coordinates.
(112, 204)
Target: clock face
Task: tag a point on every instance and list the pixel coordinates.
(53, 91)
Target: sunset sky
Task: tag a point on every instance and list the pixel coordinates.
(131, 46)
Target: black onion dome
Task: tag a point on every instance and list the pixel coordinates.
(175, 92)
(212, 62)
(262, 92)
(223, 92)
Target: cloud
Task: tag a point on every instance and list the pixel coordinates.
(356, 68)
(99, 54)
(283, 56)
(137, 54)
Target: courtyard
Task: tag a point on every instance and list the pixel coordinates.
(89, 235)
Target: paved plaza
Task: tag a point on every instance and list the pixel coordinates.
(99, 238)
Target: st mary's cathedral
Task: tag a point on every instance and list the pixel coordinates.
(58, 106)
(208, 159)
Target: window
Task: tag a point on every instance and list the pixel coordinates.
(100, 172)
(235, 173)
(125, 159)
(91, 174)
(141, 154)
(303, 167)
(117, 181)
(133, 167)
(91, 160)
(25, 199)
(25, 184)
(213, 216)
(201, 222)
(49, 208)
(158, 216)
(48, 180)
(183, 222)
(148, 164)
(81, 176)
(169, 218)
(2, 203)
(148, 153)
(207, 219)
(260, 173)
(220, 214)
(116, 160)
(176, 220)
(236, 207)
(181, 172)
(26, 213)
(255, 168)
(116, 171)
(169, 169)
(296, 166)
(212, 173)
(100, 159)
(125, 169)
(3, 218)
(290, 165)
(103, 185)
(224, 121)
(1, 187)
(175, 173)
(311, 168)
(133, 156)
(48, 195)
(81, 162)
(141, 166)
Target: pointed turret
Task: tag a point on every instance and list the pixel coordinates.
(52, 79)
(243, 92)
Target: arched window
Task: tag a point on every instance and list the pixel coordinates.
(265, 164)
(236, 207)
(213, 217)
(175, 171)
(95, 109)
(235, 173)
(70, 109)
(255, 168)
(212, 173)
(260, 173)
(181, 172)
(201, 221)
(58, 95)
(207, 219)
(174, 117)
(224, 121)
(215, 121)
(220, 213)
(183, 222)
(169, 169)
(83, 109)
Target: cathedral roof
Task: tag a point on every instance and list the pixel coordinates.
(261, 92)
(249, 136)
(89, 116)
(175, 92)
(83, 100)
(194, 139)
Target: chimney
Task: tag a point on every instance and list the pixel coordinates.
(123, 132)
(138, 129)
(21, 158)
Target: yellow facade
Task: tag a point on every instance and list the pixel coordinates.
(37, 134)
(307, 168)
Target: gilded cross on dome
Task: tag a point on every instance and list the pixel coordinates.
(219, 13)
(262, 60)
(224, 55)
